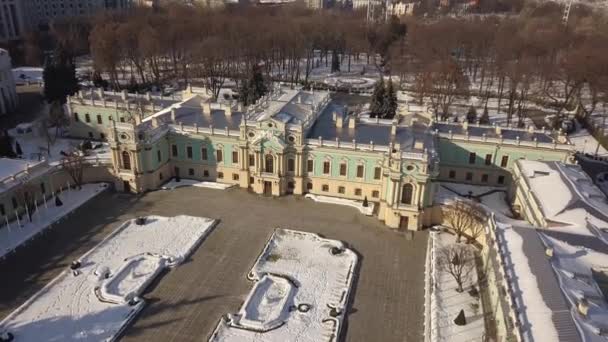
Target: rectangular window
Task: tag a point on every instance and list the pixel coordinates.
(325, 188)
(122, 119)
(15, 205)
(251, 160)
(359, 171)
(452, 174)
(357, 192)
(205, 173)
(235, 157)
(484, 178)
(99, 119)
(190, 172)
(291, 165)
(220, 175)
(377, 172)
(87, 117)
(341, 189)
(235, 176)
(220, 156)
(160, 176)
(189, 152)
(309, 186)
(472, 157)
(2, 211)
(110, 118)
(42, 188)
(375, 194)
(310, 165)
(504, 161)
(91, 135)
(204, 153)
(488, 159)
(501, 179)
(326, 168)
(159, 156)
(102, 136)
(342, 169)
(76, 117)
(174, 150)
(469, 176)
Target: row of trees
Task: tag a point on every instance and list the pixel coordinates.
(530, 58)
(201, 44)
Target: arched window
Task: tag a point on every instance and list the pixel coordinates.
(407, 193)
(269, 163)
(126, 160)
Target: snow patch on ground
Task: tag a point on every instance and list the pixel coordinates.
(303, 283)
(446, 303)
(343, 201)
(173, 184)
(12, 236)
(70, 308)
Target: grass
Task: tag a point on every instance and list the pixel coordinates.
(273, 257)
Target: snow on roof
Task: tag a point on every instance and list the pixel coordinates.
(579, 244)
(16, 171)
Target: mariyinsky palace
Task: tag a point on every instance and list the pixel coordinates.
(297, 141)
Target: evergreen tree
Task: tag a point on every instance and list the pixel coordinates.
(59, 81)
(485, 117)
(6, 146)
(335, 61)
(472, 115)
(389, 102)
(254, 87)
(18, 149)
(377, 103)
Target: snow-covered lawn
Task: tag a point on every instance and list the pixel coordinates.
(301, 292)
(73, 307)
(35, 147)
(446, 302)
(173, 184)
(369, 210)
(12, 236)
(584, 142)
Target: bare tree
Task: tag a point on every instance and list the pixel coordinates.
(74, 164)
(464, 217)
(26, 196)
(457, 260)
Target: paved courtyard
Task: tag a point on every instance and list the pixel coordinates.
(186, 303)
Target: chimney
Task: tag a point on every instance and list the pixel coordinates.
(393, 129)
(498, 130)
(352, 123)
(227, 110)
(583, 306)
(173, 114)
(206, 108)
(549, 252)
(339, 121)
(465, 124)
(100, 93)
(531, 129)
(124, 95)
(148, 96)
(154, 122)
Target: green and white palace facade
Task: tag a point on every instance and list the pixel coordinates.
(295, 141)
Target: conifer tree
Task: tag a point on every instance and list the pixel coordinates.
(377, 104)
(390, 102)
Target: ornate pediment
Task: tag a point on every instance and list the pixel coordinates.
(268, 139)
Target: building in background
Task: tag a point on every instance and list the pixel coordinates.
(12, 20)
(8, 93)
(20, 16)
(401, 8)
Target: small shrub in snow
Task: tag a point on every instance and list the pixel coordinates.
(473, 292)
(336, 250)
(6, 337)
(75, 265)
(140, 221)
(365, 203)
(304, 307)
